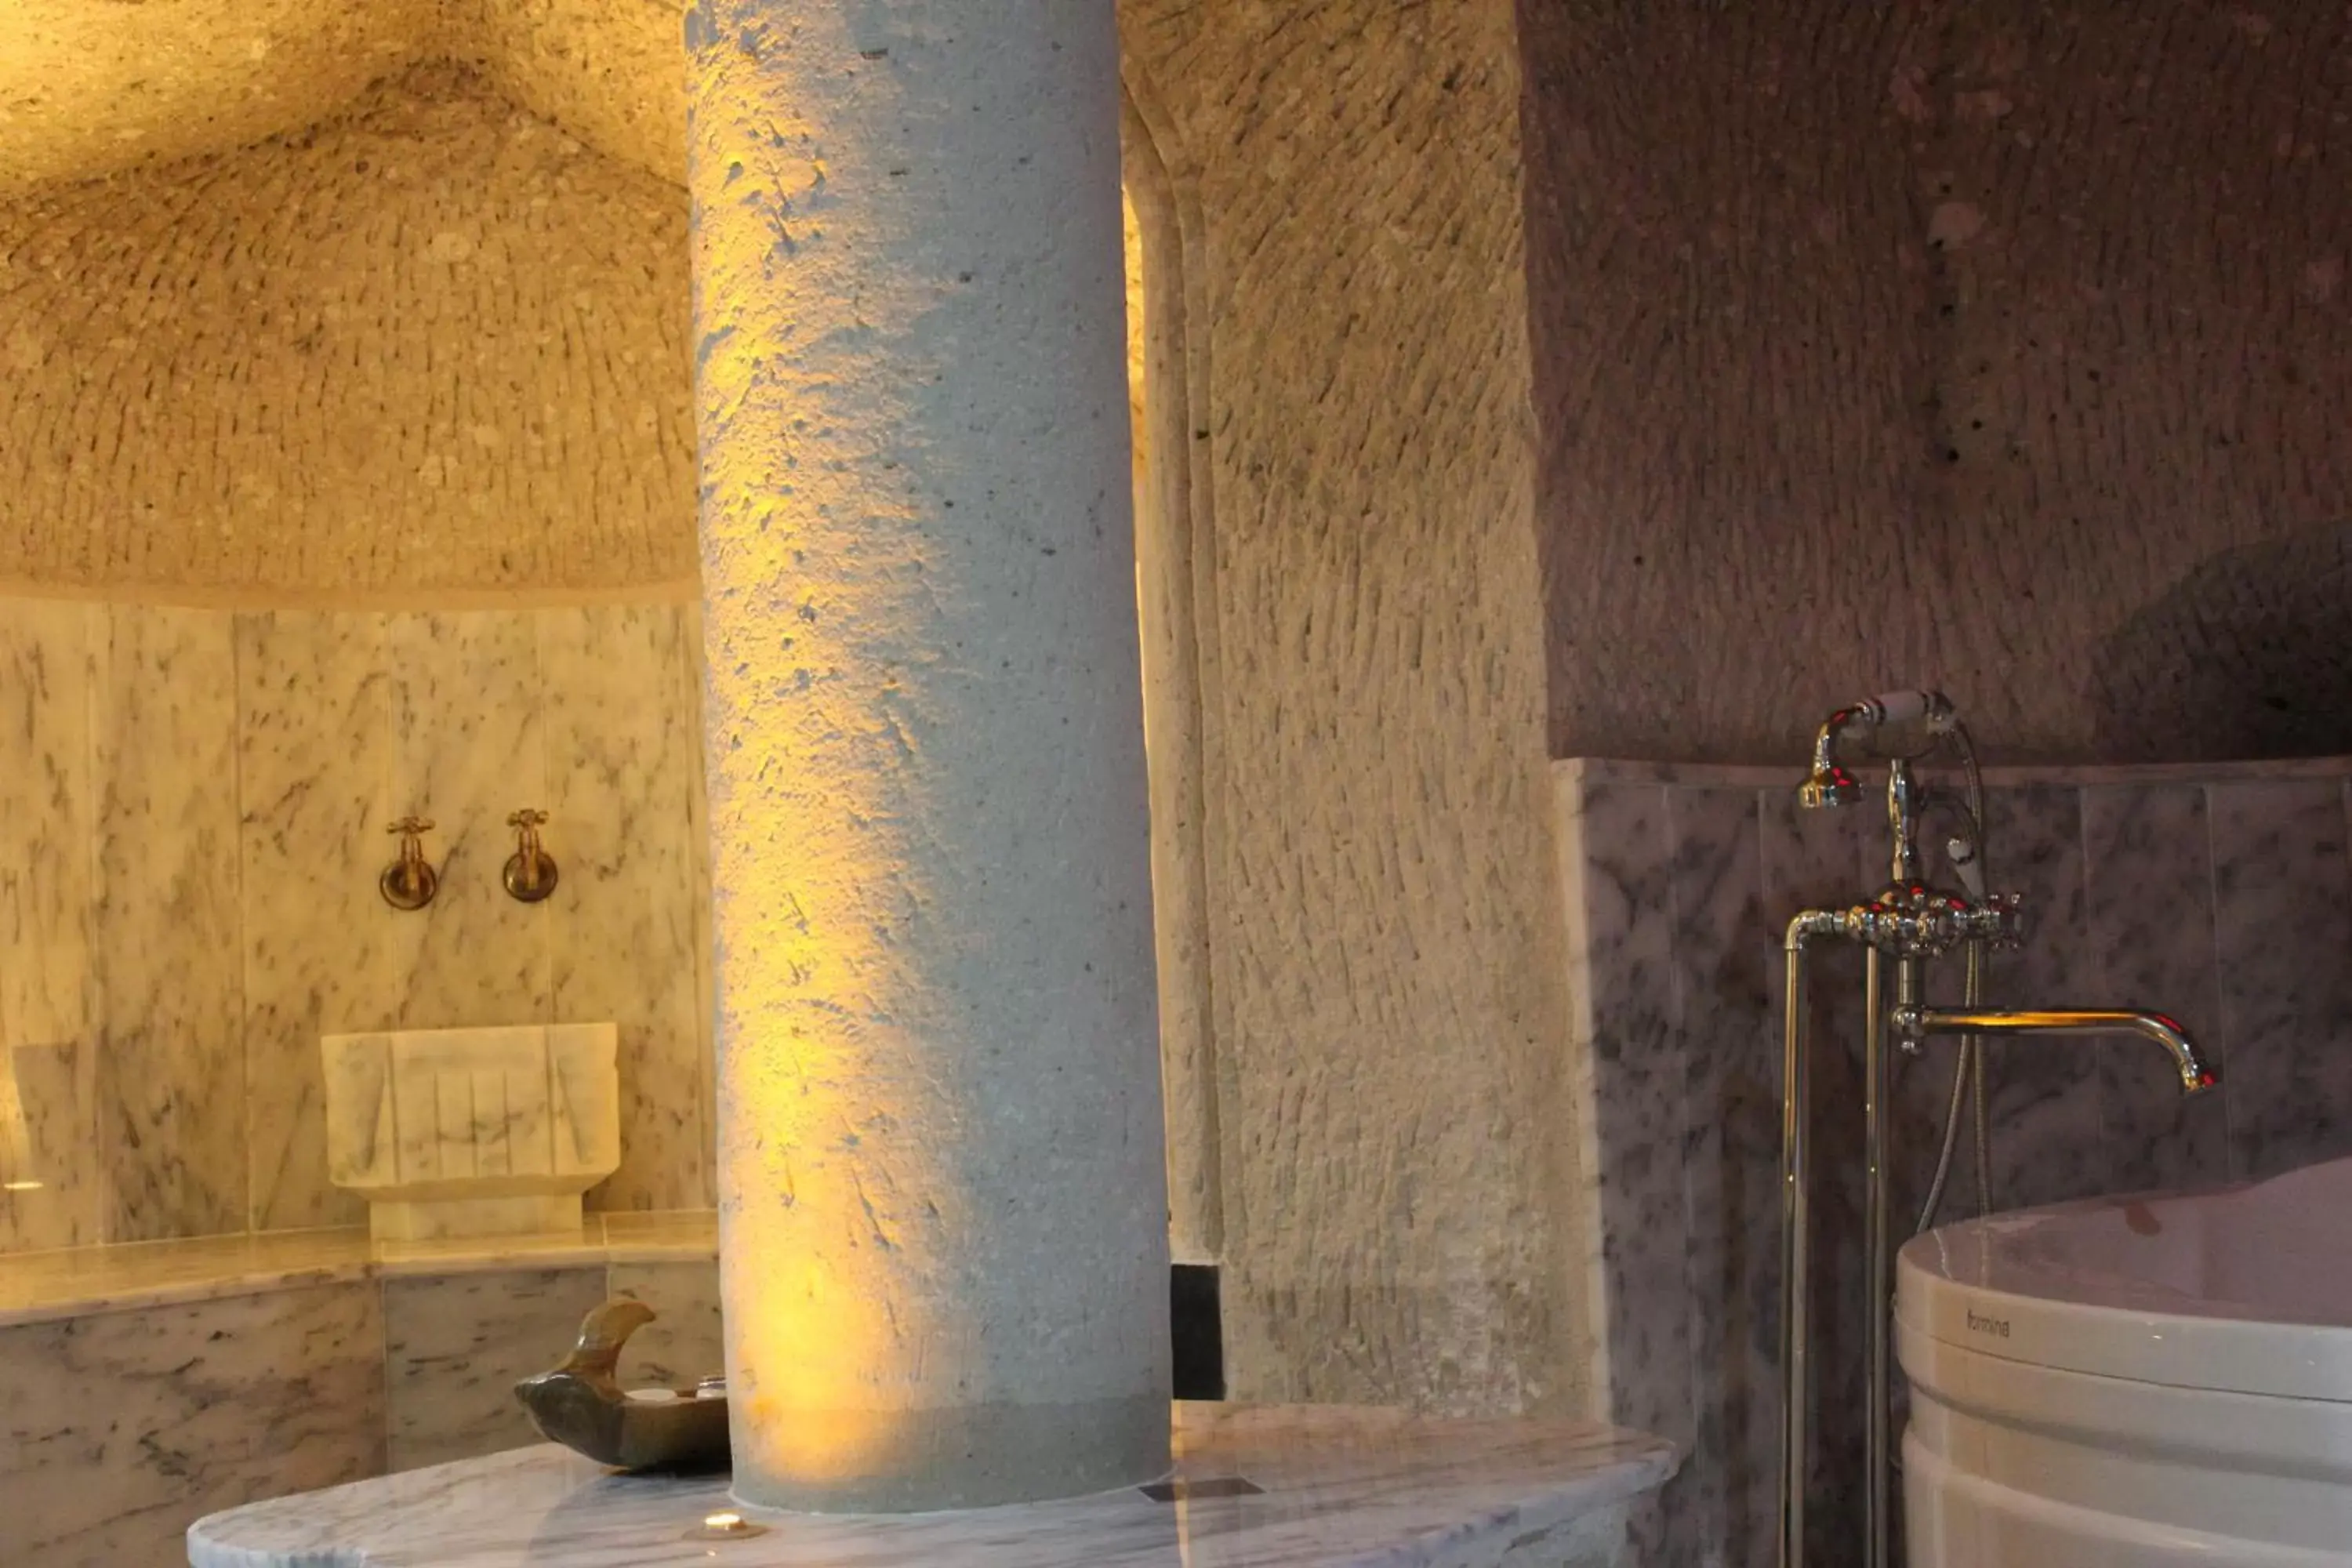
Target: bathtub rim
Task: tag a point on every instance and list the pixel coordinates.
(2209, 1344)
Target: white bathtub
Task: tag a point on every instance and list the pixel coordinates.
(2134, 1383)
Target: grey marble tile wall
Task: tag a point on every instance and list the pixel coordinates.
(1617, 842)
(164, 969)
(622, 705)
(2220, 898)
(455, 1345)
(192, 815)
(688, 1342)
(45, 1020)
(120, 1429)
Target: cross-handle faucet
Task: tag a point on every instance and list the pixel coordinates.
(529, 871)
(410, 881)
(1915, 1024)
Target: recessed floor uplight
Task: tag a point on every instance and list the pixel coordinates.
(725, 1527)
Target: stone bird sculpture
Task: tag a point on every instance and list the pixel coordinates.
(581, 1405)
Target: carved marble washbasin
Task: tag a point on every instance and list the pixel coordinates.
(452, 1132)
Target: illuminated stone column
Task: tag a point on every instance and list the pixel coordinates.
(943, 1208)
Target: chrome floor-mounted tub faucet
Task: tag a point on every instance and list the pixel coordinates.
(1908, 921)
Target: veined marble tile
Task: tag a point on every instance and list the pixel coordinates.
(47, 1061)
(1340, 1488)
(688, 1342)
(468, 751)
(2045, 1092)
(1726, 947)
(44, 822)
(454, 1346)
(698, 807)
(314, 757)
(171, 1066)
(623, 747)
(1624, 1022)
(119, 1430)
(48, 1148)
(2283, 915)
(2148, 858)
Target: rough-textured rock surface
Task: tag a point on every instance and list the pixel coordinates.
(2000, 346)
(433, 344)
(942, 1162)
(279, 374)
(1384, 952)
(90, 89)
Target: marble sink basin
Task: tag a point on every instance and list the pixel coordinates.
(457, 1132)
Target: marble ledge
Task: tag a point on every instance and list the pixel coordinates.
(43, 1287)
(1745, 776)
(1339, 1485)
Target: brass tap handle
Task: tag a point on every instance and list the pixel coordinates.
(529, 872)
(410, 881)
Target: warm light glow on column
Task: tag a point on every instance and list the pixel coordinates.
(943, 1208)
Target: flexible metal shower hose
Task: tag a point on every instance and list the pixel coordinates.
(1967, 1068)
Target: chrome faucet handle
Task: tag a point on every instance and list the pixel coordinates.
(410, 881)
(2000, 921)
(530, 874)
(1995, 920)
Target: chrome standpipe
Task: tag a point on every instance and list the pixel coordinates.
(1877, 1197)
(1796, 1232)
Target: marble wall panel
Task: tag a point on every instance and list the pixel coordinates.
(47, 1058)
(468, 749)
(699, 836)
(54, 1178)
(454, 1346)
(170, 1078)
(2283, 915)
(624, 920)
(2149, 924)
(119, 1430)
(192, 815)
(687, 1343)
(2044, 1092)
(1621, 918)
(1730, 1150)
(314, 759)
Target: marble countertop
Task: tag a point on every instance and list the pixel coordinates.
(41, 1287)
(1339, 1486)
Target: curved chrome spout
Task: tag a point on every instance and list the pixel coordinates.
(2196, 1078)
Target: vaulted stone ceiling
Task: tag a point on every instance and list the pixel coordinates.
(90, 87)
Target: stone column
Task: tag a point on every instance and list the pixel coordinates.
(943, 1204)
